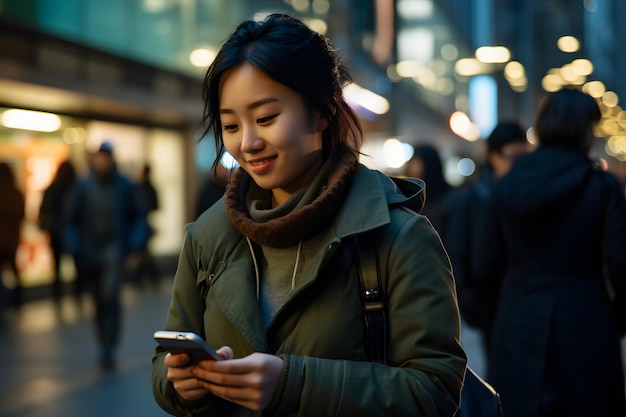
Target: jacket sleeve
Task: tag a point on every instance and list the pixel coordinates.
(426, 362)
(615, 247)
(185, 314)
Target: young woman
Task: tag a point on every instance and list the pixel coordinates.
(268, 275)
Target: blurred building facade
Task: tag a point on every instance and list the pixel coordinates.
(130, 72)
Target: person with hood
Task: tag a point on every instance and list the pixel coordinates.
(426, 164)
(106, 221)
(267, 275)
(469, 226)
(555, 347)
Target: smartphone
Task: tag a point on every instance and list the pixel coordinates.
(186, 342)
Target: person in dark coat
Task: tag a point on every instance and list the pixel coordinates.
(426, 165)
(11, 216)
(469, 224)
(106, 222)
(52, 218)
(555, 348)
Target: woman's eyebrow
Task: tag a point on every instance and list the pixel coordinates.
(252, 106)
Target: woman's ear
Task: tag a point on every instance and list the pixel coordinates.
(322, 123)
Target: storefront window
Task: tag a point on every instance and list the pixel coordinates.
(34, 158)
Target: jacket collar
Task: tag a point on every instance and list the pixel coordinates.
(370, 197)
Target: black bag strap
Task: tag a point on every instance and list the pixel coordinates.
(372, 298)
(478, 398)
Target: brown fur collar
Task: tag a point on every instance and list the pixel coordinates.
(300, 223)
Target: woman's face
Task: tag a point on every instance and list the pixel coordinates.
(268, 130)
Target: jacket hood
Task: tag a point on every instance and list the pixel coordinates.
(371, 196)
(547, 179)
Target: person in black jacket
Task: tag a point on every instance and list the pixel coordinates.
(555, 348)
(106, 223)
(469, 224)
(51, 219)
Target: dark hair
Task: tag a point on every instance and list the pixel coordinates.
(290, 53)
(66, 174)
(566, 119)
(433, 176)
(504, 133)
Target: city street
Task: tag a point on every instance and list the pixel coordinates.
(50, 358)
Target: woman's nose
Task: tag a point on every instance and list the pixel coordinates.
(250, 141)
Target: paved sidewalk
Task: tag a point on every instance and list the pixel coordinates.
(50, 359)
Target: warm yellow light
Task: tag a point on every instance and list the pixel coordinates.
(617, 144)
(471, 66)
(518, 82)
(366, 98)
(493, 54)
(513, 70)
(318, 25)
(31, 120)
(462, 126)
(300, 5)
(582, 66)
(408, 69)
(552, 82)
(568, 44)
(459, 122)
(594, 88)
(610, 99)
(568, 73)
(396, 153)
(201, 57)
(321, 6)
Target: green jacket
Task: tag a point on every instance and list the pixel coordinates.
(321, 327)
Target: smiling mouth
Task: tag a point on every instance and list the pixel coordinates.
(260, 162)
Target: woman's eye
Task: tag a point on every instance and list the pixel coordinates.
(266, 119)
(229, 128)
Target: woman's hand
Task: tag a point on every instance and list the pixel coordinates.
(249, 382)
(179, 373)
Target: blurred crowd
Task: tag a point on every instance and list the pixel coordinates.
(537, 245)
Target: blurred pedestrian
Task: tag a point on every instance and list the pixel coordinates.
(11, 217)
(555, 348)
(52, 220)
(143, 263)
(106, 221)
(267, 274)
(426, 165)
(213, 188)
(470, 227)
